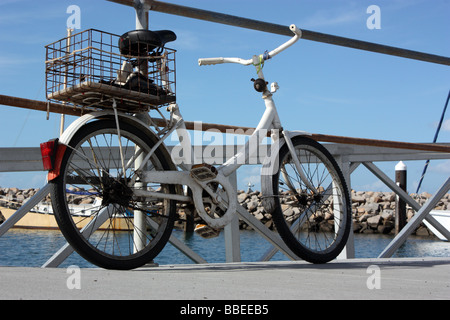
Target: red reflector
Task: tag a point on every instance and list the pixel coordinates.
(48, 152)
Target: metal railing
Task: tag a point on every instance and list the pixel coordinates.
(240, 22)
(349, 152)
(349, 157)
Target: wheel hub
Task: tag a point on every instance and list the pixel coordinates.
(116, 191)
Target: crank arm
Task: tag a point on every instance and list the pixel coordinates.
(185, 178)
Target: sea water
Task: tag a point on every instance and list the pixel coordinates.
(32, 248)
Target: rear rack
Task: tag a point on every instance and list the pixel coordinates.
(87, 71)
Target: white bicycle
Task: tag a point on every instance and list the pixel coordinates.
(118, 156)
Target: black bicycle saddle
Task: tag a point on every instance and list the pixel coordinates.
(142, 42)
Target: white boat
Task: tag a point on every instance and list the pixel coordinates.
(41, 217)
(443, 217)
(75, 209)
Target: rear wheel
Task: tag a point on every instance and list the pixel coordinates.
(107, 219)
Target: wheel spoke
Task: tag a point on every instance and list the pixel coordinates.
(93, 164)
(314, 223)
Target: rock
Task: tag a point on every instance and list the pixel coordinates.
(373, 208)
(422, 231)
(358, 199)
(361, 210)
(269, 224)
(242, 197)
(288, 212)
(385, 205)
(365, 216)
(252, 205)
(259, 216)
(356, 226)
(425, 195)
(374, 221)
(20, 198)
(364, 227)
(329, 216)
(326, 227)
(389, 197)
(409, 214)
(385, 229)
(387, 215)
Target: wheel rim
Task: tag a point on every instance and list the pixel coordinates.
(316, 219)
(130, 226)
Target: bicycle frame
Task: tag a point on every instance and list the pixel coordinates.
(270, 122)
(227, 199)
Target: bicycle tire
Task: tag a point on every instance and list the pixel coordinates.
(90, 166)
(302, 218)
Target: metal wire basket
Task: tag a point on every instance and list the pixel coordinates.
(86, 70)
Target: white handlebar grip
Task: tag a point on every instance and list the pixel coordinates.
(295, 30)
(209, 61)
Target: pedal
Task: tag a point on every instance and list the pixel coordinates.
(203, 172)
(206, 231)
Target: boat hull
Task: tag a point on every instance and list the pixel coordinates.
(35, 220)
(443, 217)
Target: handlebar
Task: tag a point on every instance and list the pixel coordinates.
(213, 61)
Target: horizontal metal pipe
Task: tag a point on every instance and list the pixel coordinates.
(231, 20)
(38, 105)
(382, 143)
(190, 125)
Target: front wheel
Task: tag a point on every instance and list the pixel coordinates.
(103, 213)
(314, 223)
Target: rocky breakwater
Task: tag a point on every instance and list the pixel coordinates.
(13, 198)
(372, 212)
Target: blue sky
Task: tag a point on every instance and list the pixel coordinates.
(323, 88)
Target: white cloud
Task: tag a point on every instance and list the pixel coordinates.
(441, 167)
(326, 18)
(6, 2)
(249, 174)
(188, 40)
(376, 185)
(446, 125)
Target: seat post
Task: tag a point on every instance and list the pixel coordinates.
(139, 217)
(142, 18)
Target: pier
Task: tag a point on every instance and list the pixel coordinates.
(356, 279)
(346, 278)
